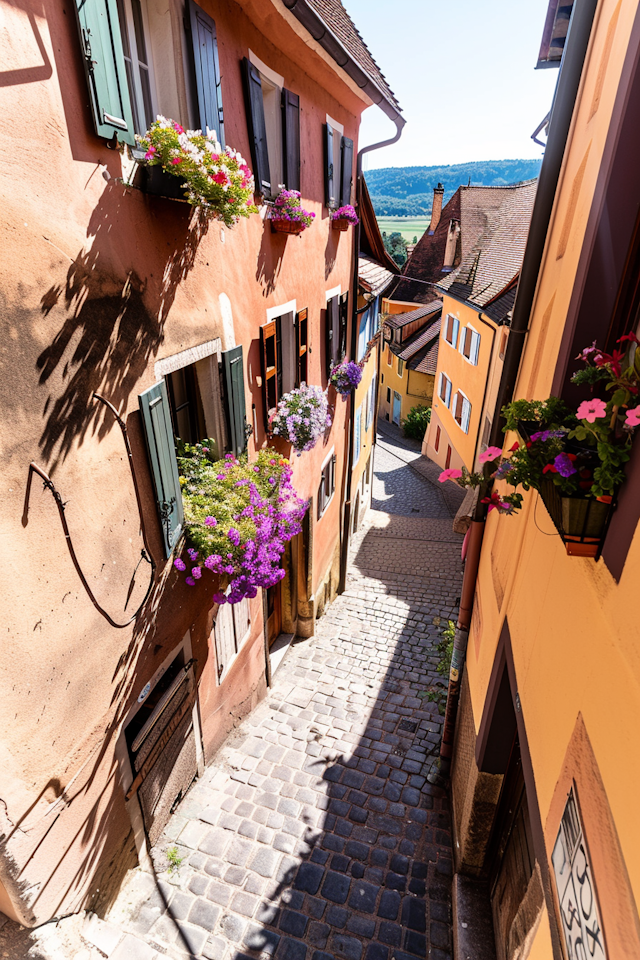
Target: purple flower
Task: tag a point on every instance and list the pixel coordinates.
(190, 581)
(196, 573)
(179, 564)
(220, 476)
(544, 435)
(193, 554)
(213, 562)
(233, 535)
(219, 598)
(564, 466)
(211, 521)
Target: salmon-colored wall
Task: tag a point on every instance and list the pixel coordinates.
(100, 282)
(574, 630)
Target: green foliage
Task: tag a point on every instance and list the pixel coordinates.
(416, 422)
(174, 859)
(445, 649)
(552, 412)
(396, 247)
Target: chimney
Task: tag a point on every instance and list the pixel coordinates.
(436, 209)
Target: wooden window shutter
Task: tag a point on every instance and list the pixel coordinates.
(344, 323)
(241, 621)
(104, 66)
(233, 372)
(289, 358)
(346, 173)
(291, 137)
(301, 343)
(333, 331)
(207, 70)
(224, 637)
(257, 127)
(269, 364)
(329, 178)
(156, 421)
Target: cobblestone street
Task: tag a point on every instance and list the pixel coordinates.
(315, 834)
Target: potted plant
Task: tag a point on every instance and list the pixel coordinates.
(575, 459)
(344, 217)
(238, 517)
(197, 170)
(345, 377)
(302, 417)
(288, 214)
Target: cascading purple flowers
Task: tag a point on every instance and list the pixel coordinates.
(347, 213)
(346, 376)
(287, 206)
(302, 417)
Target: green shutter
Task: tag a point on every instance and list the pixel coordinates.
(101, 45)
(234, 392)
(156, 420)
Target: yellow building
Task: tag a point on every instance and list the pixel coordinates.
(409, 359)
(545, 775)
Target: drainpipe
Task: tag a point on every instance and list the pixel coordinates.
(573, 58)
(353, 352)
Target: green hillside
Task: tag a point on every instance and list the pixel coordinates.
(408, 191)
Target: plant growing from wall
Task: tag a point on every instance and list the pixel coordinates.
(174, 858)
(416, 422)
(215, 179)
(302, 416)
(238, 518)
(345, 377)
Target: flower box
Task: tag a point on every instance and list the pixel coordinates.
(341, 225)
(287, 226)
(157, 183)
(582, 522)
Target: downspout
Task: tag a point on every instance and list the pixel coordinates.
(353, 352)
(573, 58)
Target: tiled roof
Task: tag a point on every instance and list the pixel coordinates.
(397, 320)
(494, 234)
(427, 363)
(334, 15)
(499, 309)
(420, 340)
(372, 276)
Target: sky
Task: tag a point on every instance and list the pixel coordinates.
(463, 73)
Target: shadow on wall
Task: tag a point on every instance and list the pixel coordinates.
(115, 318)
(331, 251)
(270, 255)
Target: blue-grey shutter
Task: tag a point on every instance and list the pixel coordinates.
(232, 366)
(104, 66)
(344, 323)
(257, 127)
(329, 177)
(346, 173)
(291, 132)
(156, 420)
(207, 70)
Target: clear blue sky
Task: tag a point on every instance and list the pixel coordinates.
(463, 73)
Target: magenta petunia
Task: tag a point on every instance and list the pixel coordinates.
(211, 521)
(633, 417)
(491, 453)
(449, 474)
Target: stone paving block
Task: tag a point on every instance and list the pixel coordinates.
(131, 948)
(258, 939)
(204, 914)
(292, 949)
(214, 949)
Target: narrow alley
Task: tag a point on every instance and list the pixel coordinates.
(315, 834)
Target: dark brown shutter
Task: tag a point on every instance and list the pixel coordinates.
(291, 137)
(346, 173)
(269, 363)
(289, 363)
(207, 70)
(301, 344)
(329, 178)
(257, 127)
(344, 323)
(333, 331)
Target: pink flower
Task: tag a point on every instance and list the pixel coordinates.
(491, 453)
(211, 521)
(591, 410)
(633, 417)
(176, 160)
(449, 475)
(178, 128)
(220, 178)
(150, 152)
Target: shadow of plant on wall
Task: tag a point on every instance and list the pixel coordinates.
(272, 247)
(115, 301)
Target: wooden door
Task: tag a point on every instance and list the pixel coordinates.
(274, 613)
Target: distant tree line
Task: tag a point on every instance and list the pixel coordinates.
(408, 191)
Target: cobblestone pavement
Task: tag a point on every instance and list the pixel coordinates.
(315, 834)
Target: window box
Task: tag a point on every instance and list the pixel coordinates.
(157, 183)
(582, 522)
(340, 224)
(288, 226)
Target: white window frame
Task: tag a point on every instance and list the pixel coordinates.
(338, 134)
(474, 347)
(135, 63)
(226, 610)
(465, 413)
(456, 330)
(326, 461)
(272, 86)
(400, 367)
(446, 399)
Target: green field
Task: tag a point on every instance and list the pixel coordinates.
(409, 227)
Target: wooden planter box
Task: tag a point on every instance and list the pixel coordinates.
(287, 226)
(341, 225)
(582, 522)
(157, 183)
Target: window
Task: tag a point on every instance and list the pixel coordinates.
(444, 389)
(200, 400)
(230, 630)
(273, 116)
(370, 405)
(389, 357)
(357, 435)
(388, 394)
(138, 68)
(327, 484)
(451, 327)
(368, 328)
(338, 173)
(281, 356)
(302, 333)
(400, 366)
(469, 345)
(336, 322)
(461, 409)
(447, 462)
(437, 440)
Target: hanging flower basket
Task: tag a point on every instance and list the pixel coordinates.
(302, 417)
(287, 226)
(345, 377)
(341, 225)
(344, 217)
(155, 182)
(582, 522)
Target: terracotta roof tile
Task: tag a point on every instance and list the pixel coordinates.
(420, 340)
(374, 277)
(427, 363)
(397, 320)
